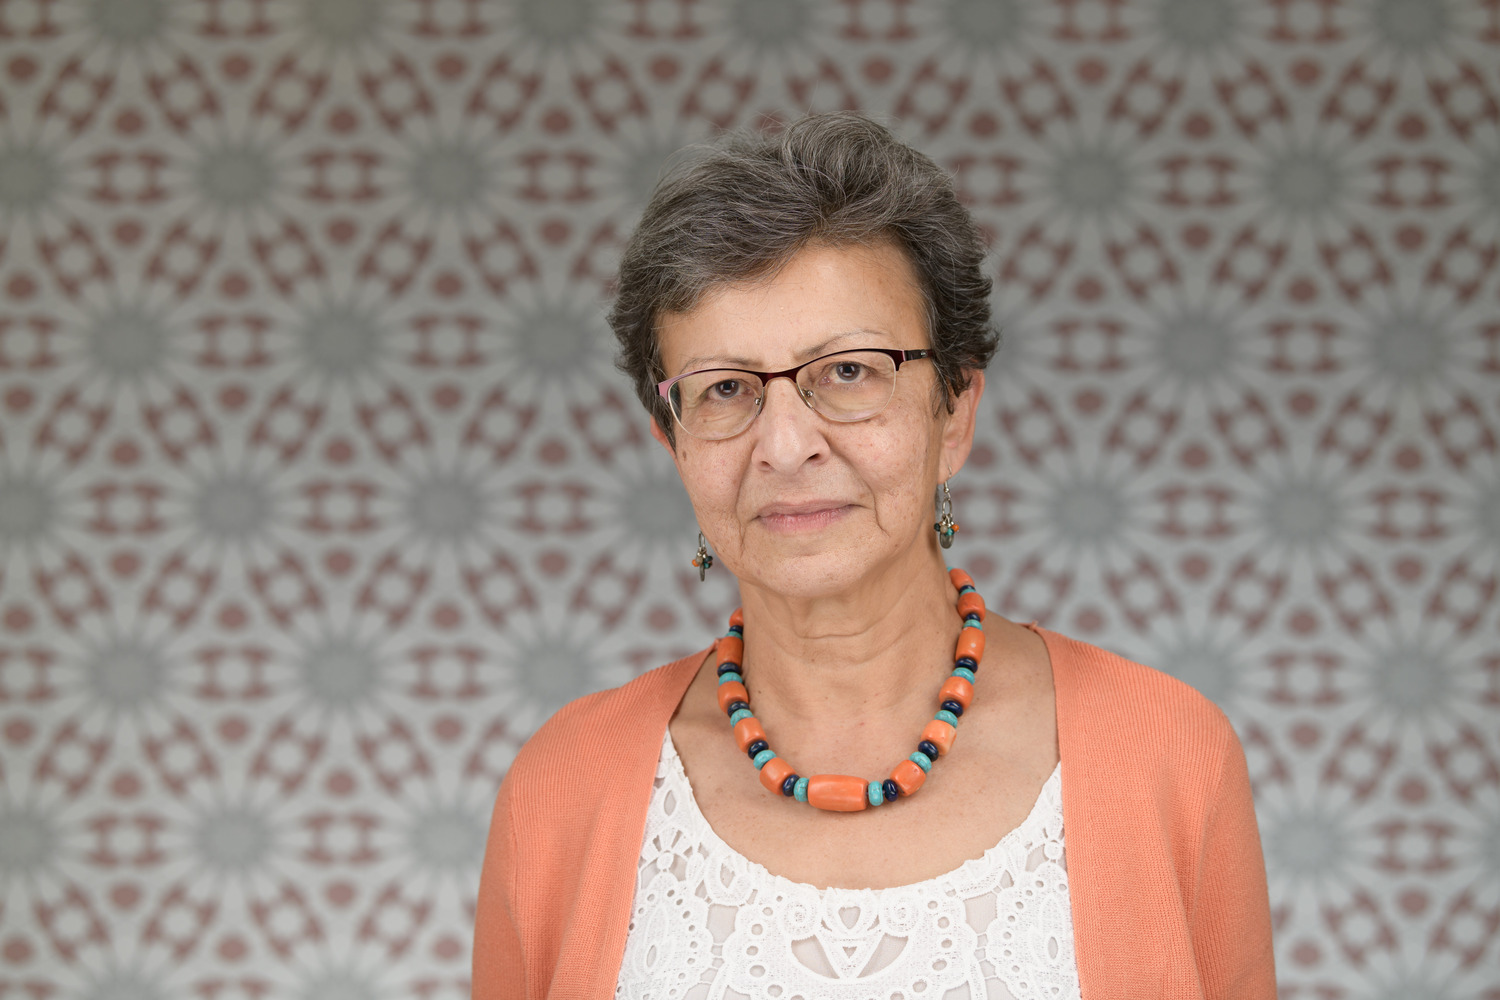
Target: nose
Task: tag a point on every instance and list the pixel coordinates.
(788, 436)
(805, 395)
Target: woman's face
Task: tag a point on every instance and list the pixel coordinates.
(798, 504)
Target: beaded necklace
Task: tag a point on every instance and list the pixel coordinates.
(843, 792)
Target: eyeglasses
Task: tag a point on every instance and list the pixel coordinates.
(718, 403)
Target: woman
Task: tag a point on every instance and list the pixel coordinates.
(794, 811)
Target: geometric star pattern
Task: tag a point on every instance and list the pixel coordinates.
(319, 492)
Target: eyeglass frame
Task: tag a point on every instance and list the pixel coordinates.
(664, 387)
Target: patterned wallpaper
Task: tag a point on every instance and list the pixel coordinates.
(318, 491)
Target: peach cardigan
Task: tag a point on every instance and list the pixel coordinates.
(1164, 863)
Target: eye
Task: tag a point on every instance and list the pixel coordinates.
(848, 371)
(724, 391)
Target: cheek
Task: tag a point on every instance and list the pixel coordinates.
(712, 479)
(911, 441)
(897, 467)
(908, 490)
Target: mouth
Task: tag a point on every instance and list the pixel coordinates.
(785, 518)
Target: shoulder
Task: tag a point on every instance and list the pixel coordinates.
(1160, 820)
(568, 818)
(1117, 717)
(615, 725)
(1116, 691)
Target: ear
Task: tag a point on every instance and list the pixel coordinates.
(661, 436)
(958, 432)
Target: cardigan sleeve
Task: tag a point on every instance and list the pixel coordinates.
(1231, 918)
(498, 970)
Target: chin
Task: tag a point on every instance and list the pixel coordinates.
(809, 575)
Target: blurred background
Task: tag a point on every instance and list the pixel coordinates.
(318, 490)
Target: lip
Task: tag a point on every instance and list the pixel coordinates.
(791, 518)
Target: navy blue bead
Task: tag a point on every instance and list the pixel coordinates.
(756, 748)
(737, 630)
(929, 748)
(892, 790)
(966, 661)
(953, 707)
(789, 786)
(972, 616)
(735, 706)
(727, 667)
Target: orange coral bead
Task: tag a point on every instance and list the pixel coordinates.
(774, 772)
(970, 603)
(956, 689)
(938, 732)
(747, 731)
(731, 649)
(837, 792)
(970, 644)
(738, 617)
(960, 579)
(731, 692)
(908, 776)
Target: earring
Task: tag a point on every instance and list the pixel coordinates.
(945, 527)
(702, 559)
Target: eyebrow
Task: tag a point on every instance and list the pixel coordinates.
(710, 361)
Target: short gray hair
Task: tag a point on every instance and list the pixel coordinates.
(750, 201)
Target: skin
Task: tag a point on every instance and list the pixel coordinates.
(850, 620)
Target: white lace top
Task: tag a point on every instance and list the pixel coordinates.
(710, 923)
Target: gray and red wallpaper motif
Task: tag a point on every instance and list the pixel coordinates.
(318, 491)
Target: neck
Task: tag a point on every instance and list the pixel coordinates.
(845, 660)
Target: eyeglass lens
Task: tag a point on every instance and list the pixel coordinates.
(852, 385)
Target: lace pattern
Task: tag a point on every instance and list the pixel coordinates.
(708, 923)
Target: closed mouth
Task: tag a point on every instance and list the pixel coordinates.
(801, 517)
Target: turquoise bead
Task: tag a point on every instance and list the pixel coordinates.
(731, 676)
(876, 793)
(965, 673)
(743, 713)
(762, 757)
(921, 760)
(946, 716)
(973, 623)
(799, 790)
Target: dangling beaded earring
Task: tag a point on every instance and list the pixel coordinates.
(945, 527)
(702, 559)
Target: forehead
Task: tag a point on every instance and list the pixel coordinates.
(822, 299)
